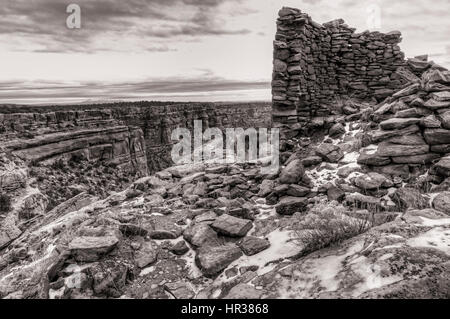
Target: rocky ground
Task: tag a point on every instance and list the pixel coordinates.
(359, 210)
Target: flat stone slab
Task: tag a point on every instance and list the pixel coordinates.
(252, 245)
(212, 260)
(87, 248)
(231, 226)
(290, 205)
(398, 123)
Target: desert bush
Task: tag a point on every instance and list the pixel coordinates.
(5, 203)
(325, 225)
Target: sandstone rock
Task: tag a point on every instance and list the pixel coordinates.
(212, 260)
(290, 205)
(180, 248)
(252, 245)
(266, 187)
(231, 226)
(88, 249)
(8, 232)
(146, 255)
(381, 135)
(386, 149)
(180, 290)
(33, 205)
(437, 136)
(109, 278)
(409, 90)
(441, 149)
(200, 234)
(297, 191)
(244, 291)
(416, 159)
(311, 161)
(407, 198)
(442, 202)
(432, 104)
(398, 123)
(430, 121)
(329, 152)
(373, 159)
(442, 167)
(292, 173)
(335, 193)
(410, 139)
(372, 181)
(336, 130)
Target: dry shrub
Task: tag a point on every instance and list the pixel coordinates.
(325, 225)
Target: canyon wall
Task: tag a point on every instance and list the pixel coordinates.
(137, 139)
(314, 64)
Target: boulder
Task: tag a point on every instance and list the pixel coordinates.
(231, 226)
(442, 168)
(244, 291)
(373, 159)
(372, 181)
(311, 161)
(180, 248)
(290, 205)
(292, 173)
(398, 123)
(266, 187)
(407, 198)
(442, 202)
(336, 130)
(252, 245)
(329, 152)
(297, 191)
(437, 136)
(212, 260)
(88, 249)
(445, 119)
(200, 234)
(180, 290)
(146, 255)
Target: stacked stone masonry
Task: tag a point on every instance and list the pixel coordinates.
(314, 63)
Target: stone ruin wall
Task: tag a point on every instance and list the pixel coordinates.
(314, 64)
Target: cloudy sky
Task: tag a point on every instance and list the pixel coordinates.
(190, 50)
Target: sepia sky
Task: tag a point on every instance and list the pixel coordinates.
(178, 50)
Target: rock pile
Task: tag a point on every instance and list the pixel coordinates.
(412, 126)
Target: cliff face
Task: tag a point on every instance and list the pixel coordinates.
(137, 139)
(93, 135)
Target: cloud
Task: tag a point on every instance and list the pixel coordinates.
(40, 25)
(208, 87)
